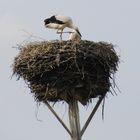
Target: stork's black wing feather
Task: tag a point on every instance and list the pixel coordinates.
(53, 20)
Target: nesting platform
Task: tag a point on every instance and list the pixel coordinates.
(62, 71)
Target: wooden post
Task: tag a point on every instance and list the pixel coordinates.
(74, 120)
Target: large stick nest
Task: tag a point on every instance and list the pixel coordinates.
(56, 71)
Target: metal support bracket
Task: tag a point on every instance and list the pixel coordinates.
(91, 115)
(58, 118)
(75, 131)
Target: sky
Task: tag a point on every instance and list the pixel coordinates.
(115, 21)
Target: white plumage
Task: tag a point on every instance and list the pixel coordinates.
(74, 36)
(60, 22)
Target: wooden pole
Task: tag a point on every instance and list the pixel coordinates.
(74, 120)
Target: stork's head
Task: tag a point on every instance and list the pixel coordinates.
(77, 30)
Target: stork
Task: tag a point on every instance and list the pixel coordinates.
(60, 22)
(74, 36)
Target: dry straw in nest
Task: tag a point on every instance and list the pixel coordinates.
(65, 70)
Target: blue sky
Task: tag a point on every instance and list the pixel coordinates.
(115, 21)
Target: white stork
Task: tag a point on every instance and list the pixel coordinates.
(59, 22)
(74, 36)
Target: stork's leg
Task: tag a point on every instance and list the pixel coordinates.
(58, 31)
(61, 35)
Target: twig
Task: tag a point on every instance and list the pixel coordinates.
(64, 32)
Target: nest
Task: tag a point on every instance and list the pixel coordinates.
(62, 71)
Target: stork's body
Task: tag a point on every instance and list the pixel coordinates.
(60, 22)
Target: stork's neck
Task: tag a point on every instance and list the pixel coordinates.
(73, 27)
(76, 29)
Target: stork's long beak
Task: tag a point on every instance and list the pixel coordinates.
(78, 32)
